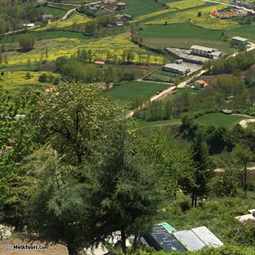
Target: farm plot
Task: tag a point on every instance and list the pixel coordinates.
(199, 16)
(75, 19)
(185, 4)
(127, 93)
(57, 12)
(45, 50)
(19, 79)
(43, 35)
(141, 7)
(115, 47)
(171, 7)
(183, 35)
(110, 47)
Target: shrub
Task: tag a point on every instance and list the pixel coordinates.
(43, 78)
(26, 43)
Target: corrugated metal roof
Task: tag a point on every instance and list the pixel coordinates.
(202, 48)
(189, 239)
(207, 236)
(161, 239)
(168, 227)
(238, 38)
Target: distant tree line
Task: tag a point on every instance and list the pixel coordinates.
(75, 70)
(13, 14)
(233, 64)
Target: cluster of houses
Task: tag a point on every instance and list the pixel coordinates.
(229, 13)
(242, 3)
(109, 6)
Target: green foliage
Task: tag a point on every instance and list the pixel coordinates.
(92, 180)
(77, 70)
(202, 169)
(243, 156)
(73, 119)
(15, 13)
(16, 142)
(229, 65)
(172, 162)
(26, 42)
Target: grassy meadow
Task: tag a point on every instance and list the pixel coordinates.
(127, 93)
(140, 7)
(57, 12)
(219, 120)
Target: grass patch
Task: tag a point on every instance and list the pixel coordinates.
(216, 214)
(219, 120)
(141, 7)
(128, 93)
(57, 12)
(185, 4)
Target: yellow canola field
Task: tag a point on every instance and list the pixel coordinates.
(113, 46)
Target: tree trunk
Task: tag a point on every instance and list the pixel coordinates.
(123, 242)
(245, 179)
(194, 199)
(72, 251)
(135, 244)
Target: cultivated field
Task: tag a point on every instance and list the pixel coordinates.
(104, 48)
(141, 7)
(75, 19)
(198, 16)
(183, 35)
(128, 93)
(19, 79)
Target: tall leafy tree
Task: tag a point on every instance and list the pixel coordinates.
(83, 196)
(74, 120)
(243, 155)
(202, 171)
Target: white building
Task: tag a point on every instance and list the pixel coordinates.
(177, 68)
(205, 52)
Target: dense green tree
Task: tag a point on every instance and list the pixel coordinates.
(96, 180)
(243, 156)
(218, 139)
(188, 129)
(73, 119)
(202, 171)
(26, 42)
(16, 142)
